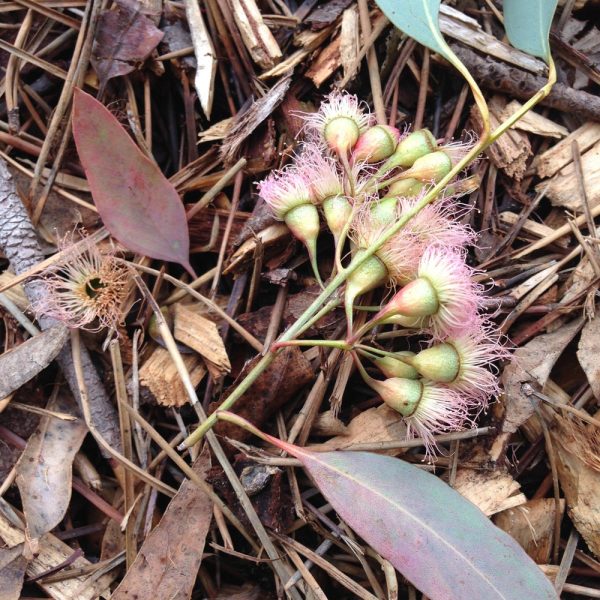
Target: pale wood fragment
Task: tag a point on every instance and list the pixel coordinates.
(257, 37)
(530, 226)
(491, 491)
(377, 424)
(532, 525)
(577, 449)
(350, 42)
(564, 189)
(561, 154)
(307, 42)
(206, 60)
(159, 376)
(52, 552)
(511, 150)
(535, 123)
(15, 293)
(326, 64)
(459, 26)
(202, 335)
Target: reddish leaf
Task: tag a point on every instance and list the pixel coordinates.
(137, 203)
(442, 543)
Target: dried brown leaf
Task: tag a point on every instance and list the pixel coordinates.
(168, 561)
(377, 424)
(287, 374)
(578, 454)
(23, 363)
(588, 353)
(532, 365)
(44, 470)
(12, 572)
(124, 38)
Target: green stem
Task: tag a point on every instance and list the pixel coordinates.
(340, 344)
(485, 141)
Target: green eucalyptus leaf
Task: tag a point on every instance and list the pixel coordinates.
(527, 24)
(419, 20)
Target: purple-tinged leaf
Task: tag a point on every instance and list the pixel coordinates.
(442, 543)
(137, 203)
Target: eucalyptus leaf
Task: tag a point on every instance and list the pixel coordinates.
(527, 24)
(419, 20)
(442, 543)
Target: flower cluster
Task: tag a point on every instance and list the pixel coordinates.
(365, 178)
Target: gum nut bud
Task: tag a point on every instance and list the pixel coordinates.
(371, 273)
(303, 221)
(406, 188)
(376, 144)
(341, 134)
(403, 395)
(416, 299)
(438, 363)
(413, 146)
(395, 367)
(431, 167)
(384, 211)
(337, 210)
(410, 322)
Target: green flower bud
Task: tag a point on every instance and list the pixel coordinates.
(396, 367)
(439, 363)
(341, 134)
(416, 299)
(413, 146)
(384, 211)
(432, 167)
(376, 144)
(403, 395)
(337, 210)
(407, 188)
(303, 221)
(368, 276)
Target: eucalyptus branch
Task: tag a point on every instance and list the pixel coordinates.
(344, 272)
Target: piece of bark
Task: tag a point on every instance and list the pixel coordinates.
(500, 77)
(350, 42)
(491, 491)
(159, 376)
(279, 383)
(327, 13)
(511, 150)
(206, 60)
(532, 525)
(326, 63)
(564, 188)
(53, 552)
(455, 24)
(533, 122)
(561, 154)
(257, 37)
(201, 229)
(19, 243)
(578, 462)
(246, 121)
(534, 228)
(202, 335)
